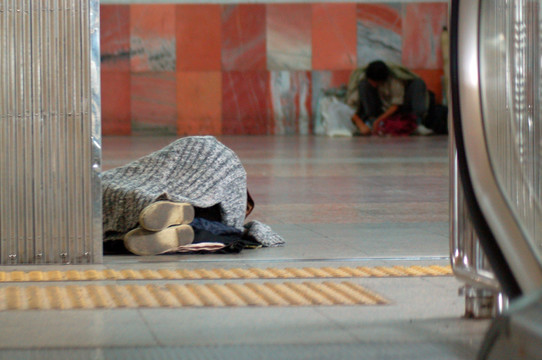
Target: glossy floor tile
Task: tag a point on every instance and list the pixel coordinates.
(337, 202)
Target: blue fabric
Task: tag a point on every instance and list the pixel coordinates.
(215, 227)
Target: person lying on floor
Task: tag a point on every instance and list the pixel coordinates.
(190, 196)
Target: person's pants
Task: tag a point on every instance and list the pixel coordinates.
(415, 101)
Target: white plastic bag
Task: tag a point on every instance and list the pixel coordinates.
(337, 117)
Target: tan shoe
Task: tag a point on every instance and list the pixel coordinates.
(143, 242)
(162, 214)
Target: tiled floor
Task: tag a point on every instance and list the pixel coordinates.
(337, 202)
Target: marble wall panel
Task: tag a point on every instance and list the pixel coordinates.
(153, 103)
(379, 30)
(243, 37)
(198, 35)
(422, 29)
(334, 36)
(116, 111)
(323, 80)
(291, 101)
(199, 103)
(289, 36)
(246, 99)
(222, 54)
(115, 37)
(152, 37)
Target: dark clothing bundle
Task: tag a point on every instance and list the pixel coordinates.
(212, 232)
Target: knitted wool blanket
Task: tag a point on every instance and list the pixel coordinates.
(198, 170)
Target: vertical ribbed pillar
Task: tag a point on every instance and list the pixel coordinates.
(50, 143)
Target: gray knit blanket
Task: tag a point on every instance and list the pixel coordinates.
(198, 170)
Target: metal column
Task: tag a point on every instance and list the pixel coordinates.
(50, 136)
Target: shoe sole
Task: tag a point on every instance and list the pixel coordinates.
(163, 214)
(143, 242)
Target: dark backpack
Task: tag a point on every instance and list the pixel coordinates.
(437, 116)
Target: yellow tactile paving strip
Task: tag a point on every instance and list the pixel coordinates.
(191, 295)
(235, 273)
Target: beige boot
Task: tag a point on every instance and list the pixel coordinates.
(143, 242)
(162, 214)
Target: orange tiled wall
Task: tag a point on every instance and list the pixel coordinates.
(250, 68)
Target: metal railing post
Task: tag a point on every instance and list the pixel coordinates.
(483, 296)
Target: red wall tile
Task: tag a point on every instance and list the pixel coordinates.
(327, 79)
(246, 107)
(334, 36)
(379, 32)
(198, 34)
(199, 103)
(152, 37)
(421, 35)
(153, 102)
(340, 77)
(243, 37)
(380, 15)
(289, 36)
(115, 37)
(116, 114)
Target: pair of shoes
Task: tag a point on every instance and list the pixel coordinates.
(422, 130)
(163, 214)
(164, 226)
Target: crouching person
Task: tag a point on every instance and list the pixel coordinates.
(388, 91)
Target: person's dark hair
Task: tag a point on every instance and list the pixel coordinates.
(377, 71)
